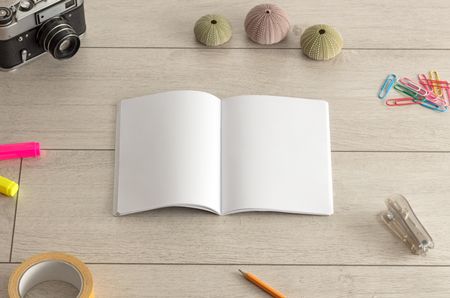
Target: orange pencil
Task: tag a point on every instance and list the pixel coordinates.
(261, 284)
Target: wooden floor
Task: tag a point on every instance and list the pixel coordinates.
(143, 47)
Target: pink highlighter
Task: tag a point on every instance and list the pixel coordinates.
(20, 150)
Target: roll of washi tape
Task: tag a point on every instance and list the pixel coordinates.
(51, 266)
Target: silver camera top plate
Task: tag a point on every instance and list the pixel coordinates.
(8, 3)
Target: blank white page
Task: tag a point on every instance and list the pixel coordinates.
(168, 152)
(276, 155)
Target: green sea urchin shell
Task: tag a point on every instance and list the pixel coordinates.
(212, 30)
(321, 42)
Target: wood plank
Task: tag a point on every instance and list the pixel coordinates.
(9, 169)
(73, 107)
(224, 281)
(66, 205)
(363, 24)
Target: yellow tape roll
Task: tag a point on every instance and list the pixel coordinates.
(51, 266)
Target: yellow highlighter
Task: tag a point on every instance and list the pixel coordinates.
(7, 187)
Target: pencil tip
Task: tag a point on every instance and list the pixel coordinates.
(242, 272)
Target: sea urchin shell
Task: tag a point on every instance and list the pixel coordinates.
(267, 24)
(321, 42)
(212, 30)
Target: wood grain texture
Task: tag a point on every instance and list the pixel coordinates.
(363, 24)
(65, 201)
(71, 105)
(9, 169)
(117, 281)
(66, 205)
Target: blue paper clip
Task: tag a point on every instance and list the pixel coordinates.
(429, 105)
(387, 86)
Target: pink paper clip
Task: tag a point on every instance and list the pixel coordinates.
(434, 99)
(413, 86)
(20, 150)
(442, 84)
(404, 101)
(423, 80)
(434, 83)
(448, 96)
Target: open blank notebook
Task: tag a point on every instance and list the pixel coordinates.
(244, 153)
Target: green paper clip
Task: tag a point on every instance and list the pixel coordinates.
(419, 98)
(408, 92)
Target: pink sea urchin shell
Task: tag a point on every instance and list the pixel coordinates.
(267, 24)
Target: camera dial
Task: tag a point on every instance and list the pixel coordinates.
(6, 15)
(26, 5)
(57, 37)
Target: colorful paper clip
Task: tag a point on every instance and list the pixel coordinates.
(404, 101)
(413, 87)
(423, 80)
(433, 83)
(434, 76)
(403, 222)
(430, 84)
(391, 79)
(436, 100)
(448, 97)
(427, 104)
(418, 99)
(407, 91)
(422, 93)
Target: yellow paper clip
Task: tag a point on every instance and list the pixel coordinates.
(434, 76)
(403, 222)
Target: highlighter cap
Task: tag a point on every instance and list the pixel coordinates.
(20, 150)
(7, 187)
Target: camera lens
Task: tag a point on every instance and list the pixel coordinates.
(57, 37)
(65, 45)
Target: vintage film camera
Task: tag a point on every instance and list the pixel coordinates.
(29, 28)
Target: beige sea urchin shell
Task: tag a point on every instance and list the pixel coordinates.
(321, 42)
(267, 24)
(212, 30)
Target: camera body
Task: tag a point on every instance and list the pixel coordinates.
(29, 28)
